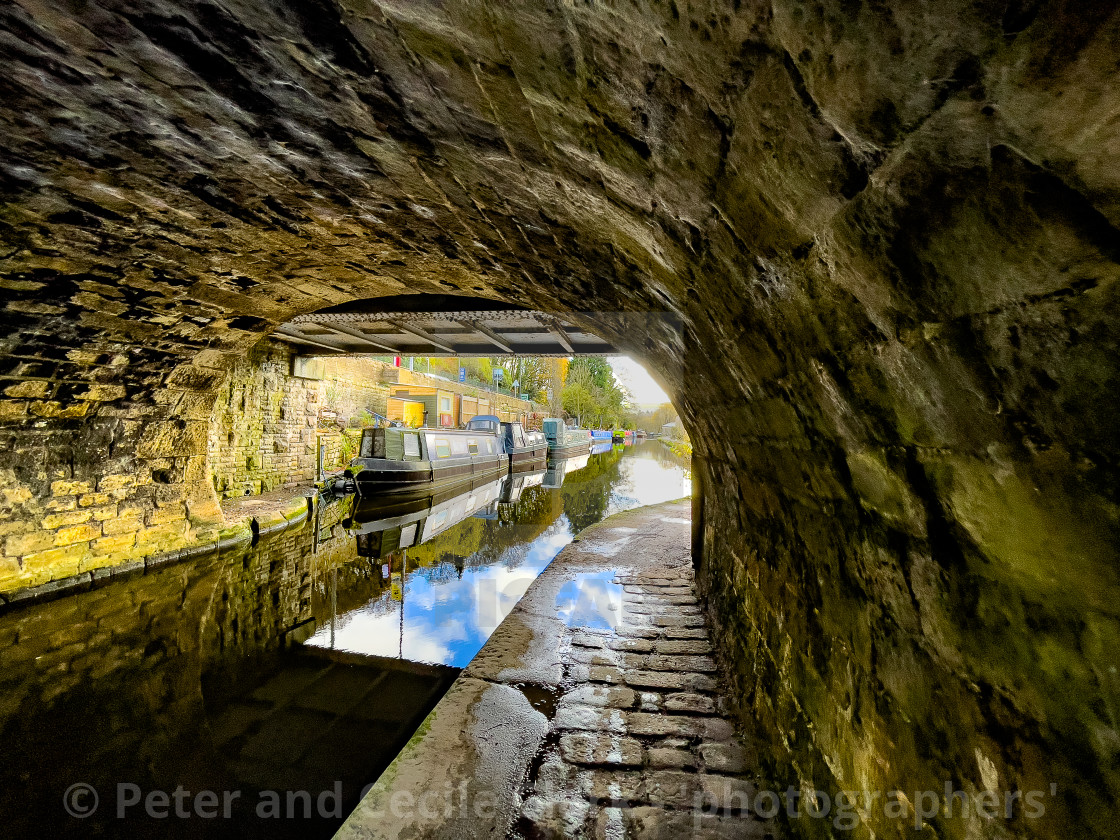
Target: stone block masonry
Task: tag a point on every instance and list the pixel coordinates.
(888, 231)
(136, 482)
(266, 422)
(255, 429)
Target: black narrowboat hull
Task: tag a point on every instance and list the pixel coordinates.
(383, 477)
(371, 515)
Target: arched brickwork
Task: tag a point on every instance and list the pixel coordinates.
(888, 232)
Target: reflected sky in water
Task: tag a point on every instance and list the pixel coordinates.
(445, 615)
(591, 599)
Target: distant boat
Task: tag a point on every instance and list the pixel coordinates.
(564, 442)
(526, 450)
(419, 461)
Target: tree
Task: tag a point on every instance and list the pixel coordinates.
(578, 400)
(652, 421)
(597, 368)
(532, 373)
(593, 395)
(578, 396)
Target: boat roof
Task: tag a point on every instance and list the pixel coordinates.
(443, 430)
(491, 417)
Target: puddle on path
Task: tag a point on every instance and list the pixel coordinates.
(592, 600)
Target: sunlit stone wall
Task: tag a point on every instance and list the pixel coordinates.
(267, 422)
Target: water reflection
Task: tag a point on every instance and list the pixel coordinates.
(451, 589)
(187, 676)
(558, 469)
(194, 674)
(383, 529)
(601, 447)
(591, 599)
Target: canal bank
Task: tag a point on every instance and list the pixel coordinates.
(302, 662)
(595, 709)
(246, 519)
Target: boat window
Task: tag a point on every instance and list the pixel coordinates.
(490, 447)
(459, 446)
(472, 446)
(408, 535)
(443, 448)
(412, 446)
(434, 523)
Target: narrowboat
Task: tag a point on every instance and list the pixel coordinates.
(564, 442)
(599, 435)
(525, 449)
(420, 461)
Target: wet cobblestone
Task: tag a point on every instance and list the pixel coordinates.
(641, 747)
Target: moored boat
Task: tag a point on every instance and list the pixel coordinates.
(525, 449)
(564, 442)
(625, 436)
(419, 461)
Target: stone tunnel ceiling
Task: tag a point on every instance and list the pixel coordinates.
(886, 232)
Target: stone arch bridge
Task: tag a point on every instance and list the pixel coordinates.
(886, 234)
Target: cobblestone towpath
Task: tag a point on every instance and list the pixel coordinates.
(595, 710)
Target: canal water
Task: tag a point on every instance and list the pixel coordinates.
(258, 691)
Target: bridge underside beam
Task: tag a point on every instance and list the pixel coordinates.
(484, 333)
